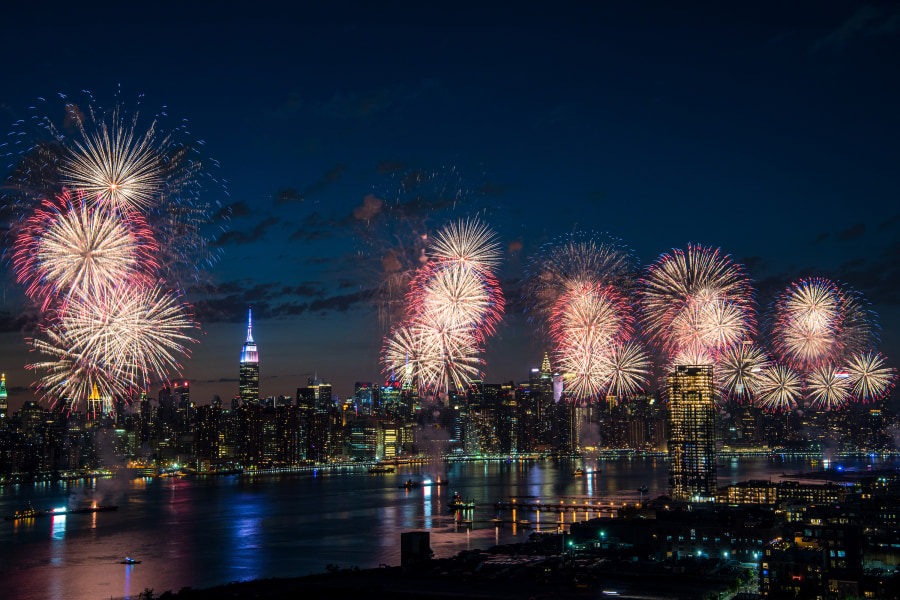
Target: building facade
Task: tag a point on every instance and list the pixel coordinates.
(692, 434)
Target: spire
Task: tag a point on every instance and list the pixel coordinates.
(250, 325)
(545, 366)
(3, 385)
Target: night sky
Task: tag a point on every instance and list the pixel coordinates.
(768, 129)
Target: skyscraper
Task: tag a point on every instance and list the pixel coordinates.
(692, 434)
(249, 380)
(4, 406)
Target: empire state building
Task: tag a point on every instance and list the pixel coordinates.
(249, 380)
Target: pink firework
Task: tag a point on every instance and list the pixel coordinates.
(697, 300)
(809, 316)
(68, 247)
(588, 324)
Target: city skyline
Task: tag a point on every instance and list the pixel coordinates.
(774, 148)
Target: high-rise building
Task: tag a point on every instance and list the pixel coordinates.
(249, 379)
(365, 397)
(4, 405)
(692, 434)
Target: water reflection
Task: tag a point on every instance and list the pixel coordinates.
(58, 530)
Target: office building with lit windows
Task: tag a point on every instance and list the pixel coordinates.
(692, 434)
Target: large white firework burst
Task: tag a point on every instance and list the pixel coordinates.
(470, 241)
(779, 388)
(870, 378)
(829, 387)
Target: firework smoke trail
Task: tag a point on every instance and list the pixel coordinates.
(135, 330)
(697, 299)
(828, 387)
(742, 367)
(779, 388)
(69, 248)
(869, 377)
(453, 305)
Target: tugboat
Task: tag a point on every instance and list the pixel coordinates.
(578, 472)
(457, 503)
(129, 561)
(31, 513)
(410, 484)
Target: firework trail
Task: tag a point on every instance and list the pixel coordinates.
(779, 388)
(869, 377)
(69, 248)
(697, 300)
(828, 387)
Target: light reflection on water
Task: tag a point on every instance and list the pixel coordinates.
(208, 532)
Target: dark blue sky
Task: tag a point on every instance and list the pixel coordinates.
(769, 129)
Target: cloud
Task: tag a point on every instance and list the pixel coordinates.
(889, 223)
(240, 237)
(315, 227)
(492, 189)
(341, 302)
(370, 208)
(26, 321)
(821, 238)
(236, 209)
(331, 176)
(867, 21)
(386, 167)
(304, 289)
(851, 233)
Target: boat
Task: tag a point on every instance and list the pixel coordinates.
(31, 513)
(381, 469)
(410, 484)
(129, 561)
(457, 503)
(436, 482)
(578, 472)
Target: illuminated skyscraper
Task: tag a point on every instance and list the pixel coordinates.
(4, 406)
(249, 380)
(692, 434)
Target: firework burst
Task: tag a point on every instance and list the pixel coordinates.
(698, 300)
(742, 367)
(71, 248)
(588, 323)
(468, 242)
(828, 387)
(779, 388)
(808, 318)
(869, 377)
(67, 378)
(576, 259)
(134, 330)
(458, 295)
(628, 370)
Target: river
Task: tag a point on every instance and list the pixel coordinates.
(200, 533)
